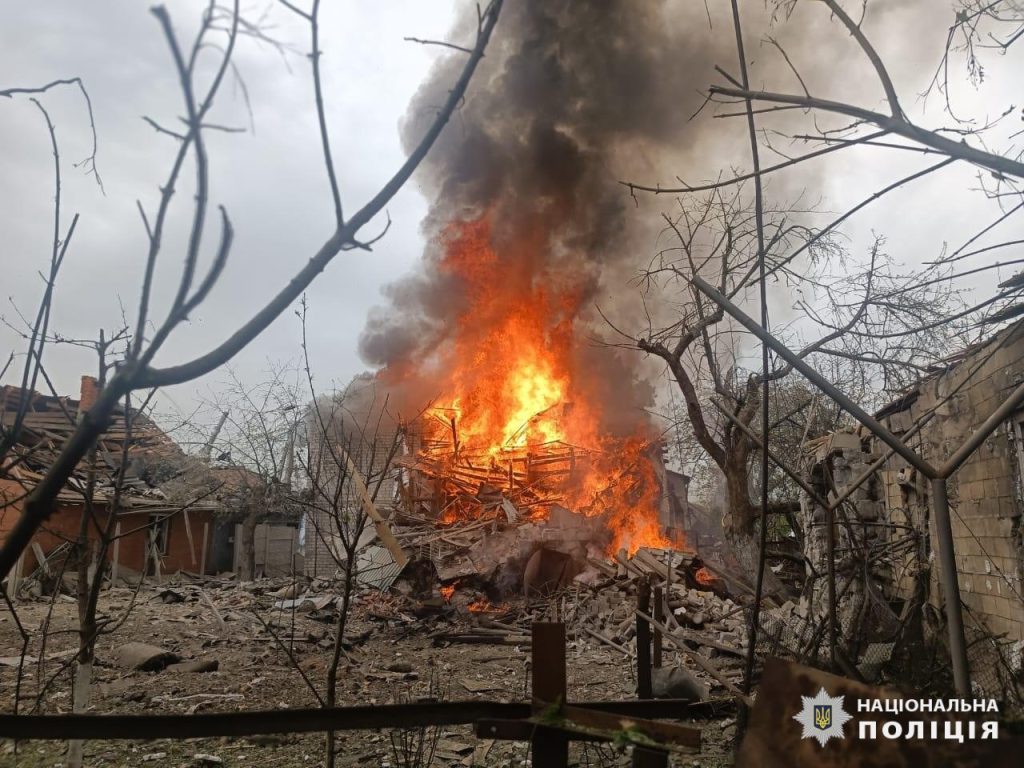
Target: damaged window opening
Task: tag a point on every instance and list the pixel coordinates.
(161, 533)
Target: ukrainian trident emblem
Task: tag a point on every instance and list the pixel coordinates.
(822, 717)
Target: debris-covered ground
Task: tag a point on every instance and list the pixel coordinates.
(202, 645)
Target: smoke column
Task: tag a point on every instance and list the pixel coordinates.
(571, 98)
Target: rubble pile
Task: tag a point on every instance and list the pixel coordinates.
(600, 605)
(497, 551)
(458, 484)
(701, 628)
(705, 618)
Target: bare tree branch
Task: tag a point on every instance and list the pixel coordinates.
(136, 373)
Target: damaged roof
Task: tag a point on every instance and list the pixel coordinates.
(948, 363)
(154, 460)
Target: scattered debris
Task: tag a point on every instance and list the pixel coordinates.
(196, 666)
(143, 657)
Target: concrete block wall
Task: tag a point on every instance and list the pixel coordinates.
(986, 493)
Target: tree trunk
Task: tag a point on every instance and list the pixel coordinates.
(332, 670)
(740, 511)
(80, 698)
(86, 637)
(740, 523)
(248, 546)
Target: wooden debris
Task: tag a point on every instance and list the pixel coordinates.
(479, 637)
(703, 663)
(380, 525)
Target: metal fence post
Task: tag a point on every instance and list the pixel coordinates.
(950, 588)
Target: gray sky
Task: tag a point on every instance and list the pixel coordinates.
(272, 182)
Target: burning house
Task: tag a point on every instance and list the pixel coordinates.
(495, 340)
(481, 505)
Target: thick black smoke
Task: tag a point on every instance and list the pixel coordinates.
(572, 98)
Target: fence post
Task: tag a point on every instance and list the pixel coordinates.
(643, 642)
(549, 748)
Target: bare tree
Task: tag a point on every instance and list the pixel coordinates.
(36, 331)
(873, 323)
(137, 369)
(351, 443)
(1000, 171)
(90, 575)
(252, 455)
(98, 496)
(133, 369)
(978, 27)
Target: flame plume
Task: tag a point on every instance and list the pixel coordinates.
(528, 230)
(512, 398)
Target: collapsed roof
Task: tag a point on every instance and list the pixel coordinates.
(152, 460)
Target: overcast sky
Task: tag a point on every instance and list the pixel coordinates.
(271, 178)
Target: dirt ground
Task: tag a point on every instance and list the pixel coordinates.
(393, 659)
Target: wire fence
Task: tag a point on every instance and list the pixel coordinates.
(907, 651)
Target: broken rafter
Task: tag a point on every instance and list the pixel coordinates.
(380, 525)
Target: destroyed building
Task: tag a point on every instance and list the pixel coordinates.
(173, 510)
(503, 518)
(885, 530)
(153, 532)
(275, 536)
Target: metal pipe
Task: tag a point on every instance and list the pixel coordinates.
(815, 378)
(999, 415)
(940, 501)
(208, 448)
(950, 589)
(830, 520)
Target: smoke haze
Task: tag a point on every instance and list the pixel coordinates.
(571, 98)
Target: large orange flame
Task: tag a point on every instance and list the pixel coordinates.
(508, 361)
(511, 391)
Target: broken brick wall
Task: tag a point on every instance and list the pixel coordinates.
(985, 494)
(886, 523)
(184, 541)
